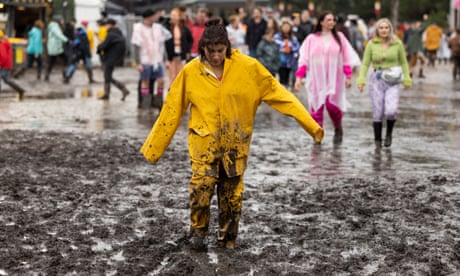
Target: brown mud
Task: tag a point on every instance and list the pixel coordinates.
(89, 204)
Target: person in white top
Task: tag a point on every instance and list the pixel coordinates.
(236, 33)
(148, 38)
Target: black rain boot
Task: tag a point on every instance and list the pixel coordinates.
(420, 74)
(139, 94)
(106, 95)
(16, 87)
(89, 71)
(19, 73)
(338, 135)
(378, 134)
(122, 87)
(198, 239)
(390, 124)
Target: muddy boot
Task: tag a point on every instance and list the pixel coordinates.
(139, 94)
(390, 124)
(420, 74)
(90, 76)
(47, 77)
(123, 89)
(198, 239)
(106, 95)
(19, 73)
(378, 134)
(228, 232)
(16, 87)
(338, 135)
(39, 75)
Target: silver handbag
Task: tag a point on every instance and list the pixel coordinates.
(392, 75)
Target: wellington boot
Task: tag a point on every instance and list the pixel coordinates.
(106, 95)
(90, 76)
(420, 74)
(123, 89)
(338, 135)
(16, 87)
(377, 134)
(198, 240)
(388, 137)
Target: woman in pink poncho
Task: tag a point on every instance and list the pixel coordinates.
(327, 58)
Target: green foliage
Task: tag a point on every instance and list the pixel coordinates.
(66, 8)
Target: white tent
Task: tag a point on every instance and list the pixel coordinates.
(89, 10)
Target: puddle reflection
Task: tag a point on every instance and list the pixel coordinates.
(326, 161)
(382, 159)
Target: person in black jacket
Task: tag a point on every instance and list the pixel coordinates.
(255, 31)
(179, 46)
(112, 51)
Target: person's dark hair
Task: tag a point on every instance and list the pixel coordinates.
(214, 33)
(319, 28)
(147, 13)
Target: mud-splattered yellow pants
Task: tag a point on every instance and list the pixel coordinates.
(229, 197)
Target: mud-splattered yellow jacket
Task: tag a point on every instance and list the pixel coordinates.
(222, 113)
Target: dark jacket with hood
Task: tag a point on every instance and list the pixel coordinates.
(113, 48)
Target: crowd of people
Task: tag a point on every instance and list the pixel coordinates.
(221, 70)
(320, 53)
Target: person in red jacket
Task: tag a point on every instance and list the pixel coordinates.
(6, 64)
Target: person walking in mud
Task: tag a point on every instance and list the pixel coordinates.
(327, 58)
(223, 89)
(55, 45)
(35, 47)
(81, 52)
(112, 50)
(386, 52)
(6, 64)
(148, 39)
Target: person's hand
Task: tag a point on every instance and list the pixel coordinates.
(140, 68)
(297, 84)
(318, 136)
(361, 87)
(348, 83)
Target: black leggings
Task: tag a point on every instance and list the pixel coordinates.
(284, 75)
(52, 60)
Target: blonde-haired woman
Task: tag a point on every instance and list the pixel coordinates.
(385, 52)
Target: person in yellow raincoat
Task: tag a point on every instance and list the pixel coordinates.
(223, 89)
(433, 35)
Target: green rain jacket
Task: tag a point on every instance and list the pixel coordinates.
(222, 113)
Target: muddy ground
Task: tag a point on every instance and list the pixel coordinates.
(75, 201)
(89, 204)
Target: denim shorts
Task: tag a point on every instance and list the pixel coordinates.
(149, 73)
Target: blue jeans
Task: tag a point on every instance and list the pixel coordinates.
(73, 66)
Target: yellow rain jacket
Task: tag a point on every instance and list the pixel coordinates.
(433, 37)
(222, 113)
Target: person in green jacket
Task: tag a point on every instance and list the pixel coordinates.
(384, 51)
(223, 89)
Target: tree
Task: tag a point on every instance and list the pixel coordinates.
(394, 12)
